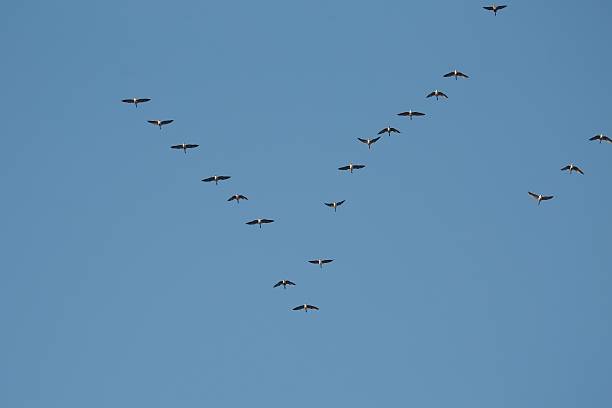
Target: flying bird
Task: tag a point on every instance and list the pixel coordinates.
(388, 130)
(160, 123)
(184, 146)
(216, 179)
(321, 262)
(494, 8)
(572, 167)
(335, 204)
(237, 197)
(369, 142)
(284, 282)
(456, 74)
(136, 101)
(540, 197)
(437, 94)
(601, 137)
(305, 307)
(350, 167)
(259, 221)
(410, 114)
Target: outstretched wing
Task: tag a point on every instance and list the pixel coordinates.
(490, 8)
(300, 307)
(461, 74)
(607, 139)
(265, 221)
(329, 204)
(223, 177)
(165, 122)
(314, 261)
(382, 131)
(565, 168)
(289, 283)
(278, 284)
(547, 197)
(154, 122)
(450, 74)
(344, 168)
(242, 197)
(312, 307)
(534, 195)
(327, 261)
(394, 130)
(252, 222)
(596, 137)
(418, 114)
(340, 203)
(501, 7)
(442, 94)
(177, 147)
(208, 179)
(191, 146)
(362, 140)
(431, 94)
(358, 166)
(231, 198)
(374, 140)
(141, 100)
(127, 100)
(579, 170)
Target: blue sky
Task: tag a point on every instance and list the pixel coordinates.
(126, 281)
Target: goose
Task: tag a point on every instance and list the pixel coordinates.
(284, 282)
(455, 73)
(369, 142)
(320, 262)
(410, 114)
(540, 197)
(184, 146)
(572, 167)
(437, 94)
(494, 8)
(305, 307)
(136, 101)
(237, 197)
(601, 137)
(335, 204)
(216, 179)
(388, 130)
(260, 221)
(350, 167)
(160, 123)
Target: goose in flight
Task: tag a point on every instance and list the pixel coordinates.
(259, 221)
(216, 179)
(456, 74)
(369, 142)
(540, 197)
(494, 8)
(350, 167)
(335, 204)
(160, 123)
(320, 262)
(284, 282)
(388, 130)
(237, 197)
(572, 167)
(601, 137)
(136, 101)
(437, 94)
(184, 146)
(305, 307)
(410, 114)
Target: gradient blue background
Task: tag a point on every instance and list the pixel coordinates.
(127, 282)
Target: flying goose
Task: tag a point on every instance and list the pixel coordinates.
(284, 282)
(410, 114)
(321, 262)
(259, 221)
(388, 130)
(350, 167)
(369, 142)
(494, 8)
(455, 73)
(216, 179)
(305, 307)
(160, 123)
(184, 146)
(237, 197)
(136, 101)
(335, 204)
(540, 197)
(437, 94)
(572, 167)
(601, 137)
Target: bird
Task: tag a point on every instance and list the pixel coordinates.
(494, 8)
(455, 73)
(437, 94)
(350, 167)
(369, 142)
(216, 179)
(237, 197)
(305, 307)
(601, 137)
(540, 197)
(184, 146)
(284, 282)
(335, 204)
(260, 221)
(160, 123)
(410, 114)
(388, 130)
(321, 262)
(572, 167)
(136, 101)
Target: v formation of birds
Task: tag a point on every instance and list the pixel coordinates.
(350, 167)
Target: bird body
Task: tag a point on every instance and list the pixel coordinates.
(284, 283)
(572, 167)
(350, 167)
(456, 74)
(216, 179)
(136, 101)
(540, 197)
(335, 204)
(321, 262)
(369, 142)
(437, 94)
(388, 130)
(410, 114)
(259, 221)
(160, 123)
(184, 146)
(305, 307)
(237, 197)
(601, 137)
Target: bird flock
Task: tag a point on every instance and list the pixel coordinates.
(350, 167)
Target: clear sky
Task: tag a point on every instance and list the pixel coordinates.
(127, 282)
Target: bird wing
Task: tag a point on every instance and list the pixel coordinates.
(450, 74)
(358, 166)
(265, 221)
(300, 307)
(290, 283)
(127, 100)
(382, 131)
(315, 261)
(327, 261)
(177, 147)
(501, 7)
(404, 114)
(152, 121)
(223, 177)
(374, 140)
(607, 139)
(242, 197)
(329, 204)
(461, 74)
(344, 168)
(579, 170)
(278, 284)
(312, 307)
(442, 94)
(191, 146)
(394, 130)
(596, 137)
(340, 202)
(565, 168)
(362, 140)
(534, 195)
(547, 197)
(231, 198)
(252, 222)
(418, 114)
(206, 180)
(488, 8)
(431, 94)
(141, 100)
(165, 122)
